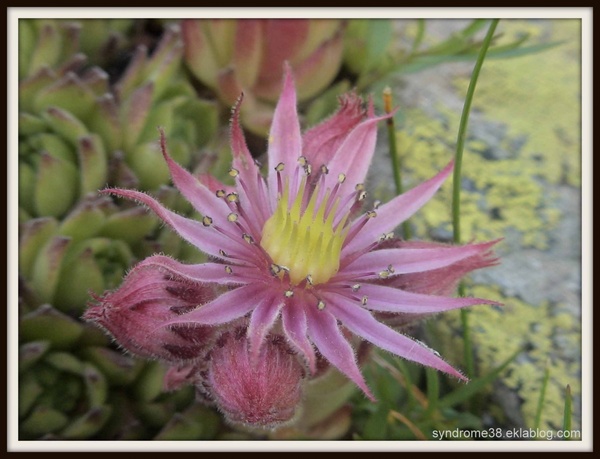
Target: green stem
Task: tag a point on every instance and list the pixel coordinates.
(460, 144)
(396, 166)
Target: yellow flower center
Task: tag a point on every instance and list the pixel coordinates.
(306, 244)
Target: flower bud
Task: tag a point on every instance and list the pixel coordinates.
(151, 295)
(262, 393)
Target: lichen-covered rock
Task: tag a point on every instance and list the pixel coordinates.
(521, 181)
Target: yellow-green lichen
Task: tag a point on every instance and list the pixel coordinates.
(538, 96)
(503, 194)
(499, 332)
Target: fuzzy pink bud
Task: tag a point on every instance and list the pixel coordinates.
(151, 295)
(262, 393)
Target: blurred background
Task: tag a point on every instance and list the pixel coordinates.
(92, 92)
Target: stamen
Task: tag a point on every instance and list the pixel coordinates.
(355, 287)
(364, 300)
(300, 235)
(233, 197)
(220, 193)
(234, 172)
(232, 217)
(228, 270)
(249, 239)
(207, 221)
(288, 293)
(321, 305)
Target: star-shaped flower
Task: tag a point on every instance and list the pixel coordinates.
(294, 253)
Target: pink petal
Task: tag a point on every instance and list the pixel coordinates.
(205, 238)
(354, 155)
(403, 261)
(209, 272)
(391, 214)
(326, 335)
(390, 299)
(440, 281)
(294, 324)
(362, 323)
(261, 322)
(285, 139)
(227, 307)
(214, 184)
(252, 186)
(323, 140)
(203, 200)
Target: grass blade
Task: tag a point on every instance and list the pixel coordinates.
(538, 412)
(460, 145)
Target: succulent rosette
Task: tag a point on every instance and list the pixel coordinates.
(294, 256)
(230, 56)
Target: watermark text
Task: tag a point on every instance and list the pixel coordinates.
(498, 433)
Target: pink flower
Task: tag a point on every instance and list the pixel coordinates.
(294, 253)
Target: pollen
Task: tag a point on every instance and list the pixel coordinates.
(305, 239)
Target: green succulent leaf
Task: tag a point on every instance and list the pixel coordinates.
(95, 385)
(68, 93)
(149, 166)
(46, 269)
(180, 427)
(54, 145)
(49, 324)
(30, 124)
(64, 361)
(149, 384)
(83, 222)
(29, 391)
(35, 234)
(65, 124)
(119, 369)
(130, 225)
(43, 420)
(30, 353)
(56, 188)
(105, 121)
(80, 276)
(88, 424)
(93, 164)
